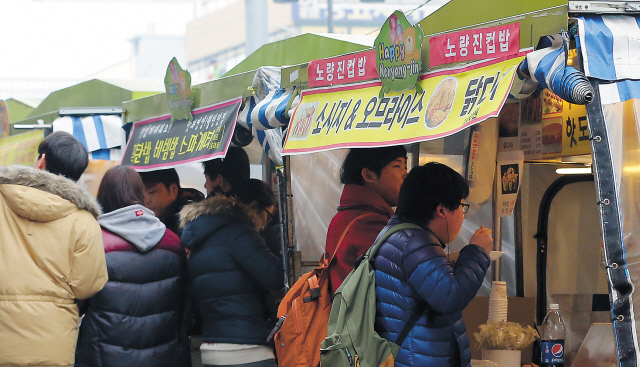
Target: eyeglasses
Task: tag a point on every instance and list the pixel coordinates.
(465, 208)
(270, 216)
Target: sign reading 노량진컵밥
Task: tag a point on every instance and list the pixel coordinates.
(157, 143)
(352, 116)
(474, 44)
(345, 69)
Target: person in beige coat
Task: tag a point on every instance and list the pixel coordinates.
(51, 256)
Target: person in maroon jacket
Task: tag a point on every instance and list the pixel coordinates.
(372, 178)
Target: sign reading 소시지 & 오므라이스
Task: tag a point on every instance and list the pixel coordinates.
(351, 116)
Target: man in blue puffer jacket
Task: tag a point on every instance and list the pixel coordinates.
(414, 272)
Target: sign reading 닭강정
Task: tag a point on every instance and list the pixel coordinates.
(157, 143)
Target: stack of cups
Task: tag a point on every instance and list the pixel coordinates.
(498, 302)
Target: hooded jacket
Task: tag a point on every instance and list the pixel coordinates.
(134, 320)
(355, 201)
(51, 255)
(231, 270)
(412, 269)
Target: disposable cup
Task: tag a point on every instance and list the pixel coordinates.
(498, 290)
(503, 358)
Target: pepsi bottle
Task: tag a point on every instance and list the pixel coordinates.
(552, 344)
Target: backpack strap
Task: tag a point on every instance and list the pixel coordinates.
(314, 283)
(371, 254)
(363, 207)
(344, 233)
(373, 250)
(411, 323)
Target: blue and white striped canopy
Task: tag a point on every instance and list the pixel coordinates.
(269, 113)
(102, 135)
(548, 67)
(609, 46)
(265, 117)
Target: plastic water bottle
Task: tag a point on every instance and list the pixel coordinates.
(553, 334)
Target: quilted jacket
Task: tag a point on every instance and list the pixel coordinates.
(232, 270)
(412, 269)
(135, 319)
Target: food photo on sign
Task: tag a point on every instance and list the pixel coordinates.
(441, 102)
(509, 171)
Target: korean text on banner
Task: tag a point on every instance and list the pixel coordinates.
(354, 115)
(157, 143)
(475, 44)
(343, 69)
(20, 149)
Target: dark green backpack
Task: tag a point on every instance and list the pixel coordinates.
(352, 340)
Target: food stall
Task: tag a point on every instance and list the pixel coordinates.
(16, 150)
(91, 111)
(553, 228)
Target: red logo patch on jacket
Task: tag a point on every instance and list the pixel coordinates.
(139, 213)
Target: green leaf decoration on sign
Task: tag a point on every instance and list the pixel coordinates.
(177, 84)
(398, 48)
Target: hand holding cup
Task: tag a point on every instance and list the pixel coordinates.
(483, 238)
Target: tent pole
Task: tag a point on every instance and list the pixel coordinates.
(497, 231)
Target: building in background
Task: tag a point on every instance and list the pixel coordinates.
(215, 40)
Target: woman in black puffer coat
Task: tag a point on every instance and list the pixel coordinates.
(232, 272)
(135, 319)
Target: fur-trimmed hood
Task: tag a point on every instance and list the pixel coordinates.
(22, 200)
(200, 220)
(218, 205)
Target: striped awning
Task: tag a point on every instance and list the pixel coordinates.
(102, 135)
(610, 49)
(265, 117)
(548, 67)
(610, 45)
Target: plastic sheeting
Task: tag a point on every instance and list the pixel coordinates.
(316, 188)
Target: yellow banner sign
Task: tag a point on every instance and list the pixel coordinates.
(564, 127)
(20, 149)
(356, 116)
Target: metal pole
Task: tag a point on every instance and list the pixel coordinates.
(497, 230)
(415, 155)
(330, 16)
(286, 220)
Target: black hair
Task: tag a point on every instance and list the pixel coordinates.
(64, 155)
(258, 191)
(121, 186)
(425, 188)
(374, 159)
(167, 177)
(234, 167)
